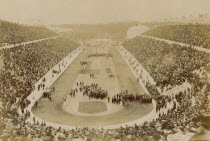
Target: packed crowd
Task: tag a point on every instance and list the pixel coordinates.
(25, 65)
(183, 116)
(169, 65)
(197, 35)
(41, 132)
(187, 109)
(12, 33)
(22, 67)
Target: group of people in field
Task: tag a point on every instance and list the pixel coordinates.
(92, 75)
(129, 97)
(92, 91)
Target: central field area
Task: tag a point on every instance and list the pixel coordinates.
(92, 107)
(57, 111)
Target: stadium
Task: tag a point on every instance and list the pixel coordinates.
(116, 81)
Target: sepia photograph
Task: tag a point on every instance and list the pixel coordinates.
(104, 70)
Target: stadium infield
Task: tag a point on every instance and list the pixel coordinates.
(92, 107)
(58, 111)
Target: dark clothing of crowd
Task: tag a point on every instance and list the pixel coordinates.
(13, 33)
(168, 64)
(195, 35)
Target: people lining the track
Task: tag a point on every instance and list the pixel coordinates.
(125, 97)
(168, 64)
(25, 65)
(22, 67)
(168, 122)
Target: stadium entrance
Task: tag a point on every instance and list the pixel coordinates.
(101, 42)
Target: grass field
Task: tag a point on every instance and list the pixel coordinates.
(92, 107)
(124, 79)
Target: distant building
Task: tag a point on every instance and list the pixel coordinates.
(136, 30)
(101, 42)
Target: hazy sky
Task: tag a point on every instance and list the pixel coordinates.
(98, 11)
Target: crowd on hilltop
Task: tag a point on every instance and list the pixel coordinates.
(197, 35)
(168, 64)
(12, 33)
